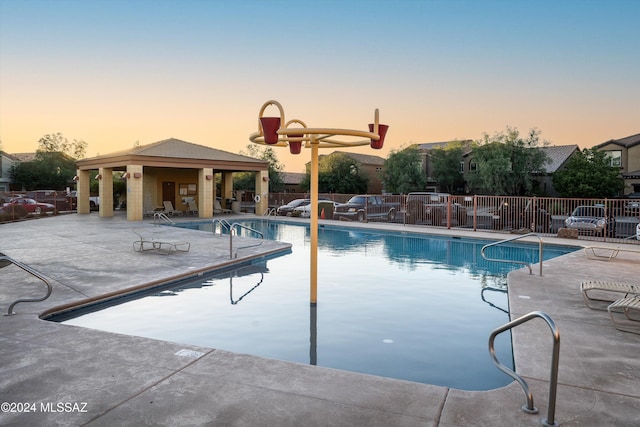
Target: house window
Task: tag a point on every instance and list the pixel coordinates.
(615, 157)
(461, 167)
(473, 166)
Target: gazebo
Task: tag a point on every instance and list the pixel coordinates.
(169, 170)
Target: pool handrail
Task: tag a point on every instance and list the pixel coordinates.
(232, 231)
(553, 381)
(234, 302)
(223, 224)
(269, 211)
(159, 217)
(33, 273)
(541, 246)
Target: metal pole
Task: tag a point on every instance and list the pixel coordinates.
(314, 221)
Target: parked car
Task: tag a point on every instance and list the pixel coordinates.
(286, 210)
(589, 219)
(30, 206)
(305, 211)
(60, 199)
(632, 207)
(515, 216)
(364, 207)
(431, 208)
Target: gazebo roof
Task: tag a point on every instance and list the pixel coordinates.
(175, 153)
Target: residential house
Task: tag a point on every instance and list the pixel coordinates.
(427, 165)
(625, 154)
(6, 163)
(371, 166)
(558, 156)
(292, 182)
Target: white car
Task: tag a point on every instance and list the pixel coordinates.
(302, 211)
(305, 211)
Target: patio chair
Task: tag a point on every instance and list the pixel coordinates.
(218, 209)
(193, 207)
(626, 306)
(168, 208)
(603, 290)
(157, 241)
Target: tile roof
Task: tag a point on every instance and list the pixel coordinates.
(557, 155)
(443, 144)
(176, 148)
(24, 157)
(292, 177)
(365, 159)
(628, 141)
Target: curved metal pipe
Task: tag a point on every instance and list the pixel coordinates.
(33, 273)
(553, 381)
(541, 248)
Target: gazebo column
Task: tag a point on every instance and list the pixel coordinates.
(83, 191)
(135, 193)
(206, 192)
(105, 191)
(262, 190)
(227, 187)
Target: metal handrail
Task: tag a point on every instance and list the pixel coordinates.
(161, 216)
(541, 245)
(269, 211)
(234, 302)
(489, 302)
(553, 381)
(33, 273)
(232, 231)
(223, 224)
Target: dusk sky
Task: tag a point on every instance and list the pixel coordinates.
(117, 72)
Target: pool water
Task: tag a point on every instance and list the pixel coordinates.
(406, 306)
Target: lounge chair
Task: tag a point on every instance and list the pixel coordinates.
(606, 253)
(193, 207)
(604, 289)
(158, 242)
(168, 208)
(218, 209)
(626, 306)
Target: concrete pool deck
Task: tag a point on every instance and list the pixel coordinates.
(67, 375)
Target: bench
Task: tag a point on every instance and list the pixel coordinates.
(157, 241)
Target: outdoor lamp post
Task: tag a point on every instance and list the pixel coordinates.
(275, 131)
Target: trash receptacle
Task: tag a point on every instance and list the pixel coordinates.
(235, 207)
(325, 207)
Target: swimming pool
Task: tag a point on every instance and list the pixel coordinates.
(405, 306)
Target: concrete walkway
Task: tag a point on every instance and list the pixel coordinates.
(53, 374)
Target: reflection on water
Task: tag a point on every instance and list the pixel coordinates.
(403, 306)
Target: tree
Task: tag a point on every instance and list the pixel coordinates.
(402, 171)
(247, 180)
(338, 173)
(507, 163)
(588, 174)
(446, 166)
(57, 143)
(53, 167)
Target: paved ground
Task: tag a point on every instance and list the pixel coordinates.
(66, 375)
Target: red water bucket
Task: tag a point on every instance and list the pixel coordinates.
(270, 126)
(382, 132)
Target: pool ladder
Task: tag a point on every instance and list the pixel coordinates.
(553, 381)
(4, 262)
(224, 224)
(541, 249)
(161, 217)
(269, 212)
